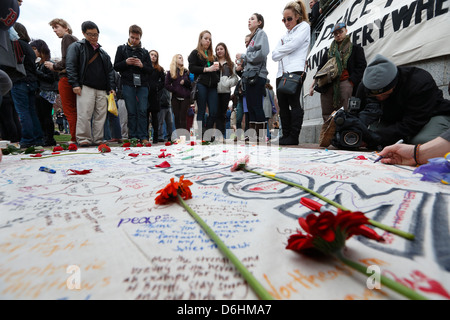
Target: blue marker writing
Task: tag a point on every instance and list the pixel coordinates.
(44, 169)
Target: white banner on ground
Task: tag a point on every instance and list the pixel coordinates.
(404, 31)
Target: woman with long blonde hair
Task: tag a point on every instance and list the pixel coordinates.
(291, 53)
(206, 72)
(178, 82)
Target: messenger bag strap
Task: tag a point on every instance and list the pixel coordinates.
(93, 58)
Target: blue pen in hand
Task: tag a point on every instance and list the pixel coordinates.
(44, 169)
(380, 157)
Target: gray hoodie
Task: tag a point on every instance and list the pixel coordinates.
(257, 52)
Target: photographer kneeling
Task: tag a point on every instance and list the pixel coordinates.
(407, 101)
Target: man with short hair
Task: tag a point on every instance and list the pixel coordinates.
(411, 105)
(134, 65)
(91, 75)
(68, 98)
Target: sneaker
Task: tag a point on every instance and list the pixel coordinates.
(85, 145)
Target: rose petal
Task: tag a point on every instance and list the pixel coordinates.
(165, 164)
(79, 173)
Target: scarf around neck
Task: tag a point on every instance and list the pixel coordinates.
(342, 53)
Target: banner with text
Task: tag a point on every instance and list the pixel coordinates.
(404, 31)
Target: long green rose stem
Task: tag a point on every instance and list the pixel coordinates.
(391, 284)
(272, 176)
(248, 276)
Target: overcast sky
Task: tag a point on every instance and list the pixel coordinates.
(170, 27)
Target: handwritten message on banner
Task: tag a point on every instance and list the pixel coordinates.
(101, 235)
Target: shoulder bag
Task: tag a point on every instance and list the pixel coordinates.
(194, 91)
(328, 73)
(289, 82)
(12, 60)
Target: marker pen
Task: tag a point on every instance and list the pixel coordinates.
(379, 158)
(44, 169)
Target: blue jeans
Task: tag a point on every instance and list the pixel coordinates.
(136, 100)
(23, 95)
(254, 94)
(207, 96)
(165, 116)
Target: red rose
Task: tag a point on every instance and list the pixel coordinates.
(58, 148)
(173, 189)
(103, 148)
(300, 242)
(328, 232)
(73, 147)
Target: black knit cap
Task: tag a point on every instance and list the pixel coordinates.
(381, 75)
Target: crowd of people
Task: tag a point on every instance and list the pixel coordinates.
(86, 76)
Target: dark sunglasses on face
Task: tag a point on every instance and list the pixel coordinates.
(289, 19)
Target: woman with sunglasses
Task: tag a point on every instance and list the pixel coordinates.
(291, 53)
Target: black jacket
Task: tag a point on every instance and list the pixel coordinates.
(156, 83)
(77, 62)
(126, 72)
(48, 80)
(415, 100)
(356, 65)
(314, 15)
(196, 66)
(28, 62)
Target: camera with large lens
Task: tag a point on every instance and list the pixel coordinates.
(352, 125)
(348, 131)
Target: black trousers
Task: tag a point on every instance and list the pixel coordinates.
(291, 112)
(44, 113)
